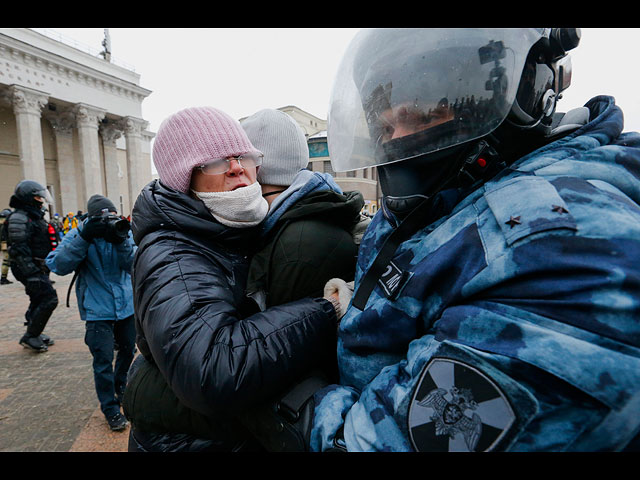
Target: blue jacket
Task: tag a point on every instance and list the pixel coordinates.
(516, 322)
(103, 286)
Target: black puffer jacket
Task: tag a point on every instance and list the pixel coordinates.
(194, 320)
(28, 240)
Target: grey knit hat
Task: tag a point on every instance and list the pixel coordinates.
(282, 141)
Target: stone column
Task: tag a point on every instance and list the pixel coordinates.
(63, 123)
(147, 175)
(110, 134)
(133, 128)
(27, 106)
(87, 119)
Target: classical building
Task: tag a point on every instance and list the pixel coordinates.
(71, 121)
(364, 180)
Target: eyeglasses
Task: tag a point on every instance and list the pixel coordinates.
(222, 165)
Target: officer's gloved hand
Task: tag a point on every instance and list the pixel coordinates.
(93, 227)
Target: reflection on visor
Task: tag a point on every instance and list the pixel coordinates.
(412, 144)
(407, 119)
(445, 125)
(394, 84)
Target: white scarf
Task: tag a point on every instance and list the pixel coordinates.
(239, 208)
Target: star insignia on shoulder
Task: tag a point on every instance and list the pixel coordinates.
(513, 221)
(559, 209)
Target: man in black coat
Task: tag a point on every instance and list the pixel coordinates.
(29, 244)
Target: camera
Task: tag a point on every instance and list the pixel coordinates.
(492, 52)
(115, 224)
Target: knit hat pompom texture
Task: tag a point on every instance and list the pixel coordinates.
(283, 143)
(192, 136)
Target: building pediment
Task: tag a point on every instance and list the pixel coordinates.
(63, 78)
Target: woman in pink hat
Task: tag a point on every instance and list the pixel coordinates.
(195, 229)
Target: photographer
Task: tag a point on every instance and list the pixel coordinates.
(101, 251)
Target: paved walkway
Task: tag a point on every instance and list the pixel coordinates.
(47, 400)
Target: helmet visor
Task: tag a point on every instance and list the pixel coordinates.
(45, 195)
(400, 93)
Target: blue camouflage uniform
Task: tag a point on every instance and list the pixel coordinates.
(517, 325)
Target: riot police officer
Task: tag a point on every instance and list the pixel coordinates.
(29, 244)
(497, 290)
(4, 252)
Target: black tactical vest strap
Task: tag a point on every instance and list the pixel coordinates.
(409, 225)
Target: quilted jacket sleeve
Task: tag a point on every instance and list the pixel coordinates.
(21, 255)
(216, 362)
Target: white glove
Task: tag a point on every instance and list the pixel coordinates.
(344, 292)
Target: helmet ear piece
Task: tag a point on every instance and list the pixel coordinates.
(537, 93)
(534, 107)
(564, 39)
(547, 73)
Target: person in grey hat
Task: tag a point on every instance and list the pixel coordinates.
(308, 231)
(309, 242)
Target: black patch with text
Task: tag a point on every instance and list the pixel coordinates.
(393, 280)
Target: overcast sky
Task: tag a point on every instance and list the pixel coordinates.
(243, 71)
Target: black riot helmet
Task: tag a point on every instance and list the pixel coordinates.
(419, 99)
(5, 213)
(26, 191)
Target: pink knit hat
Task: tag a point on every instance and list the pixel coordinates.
(192, 136)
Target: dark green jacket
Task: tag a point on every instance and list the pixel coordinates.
(309, 244)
